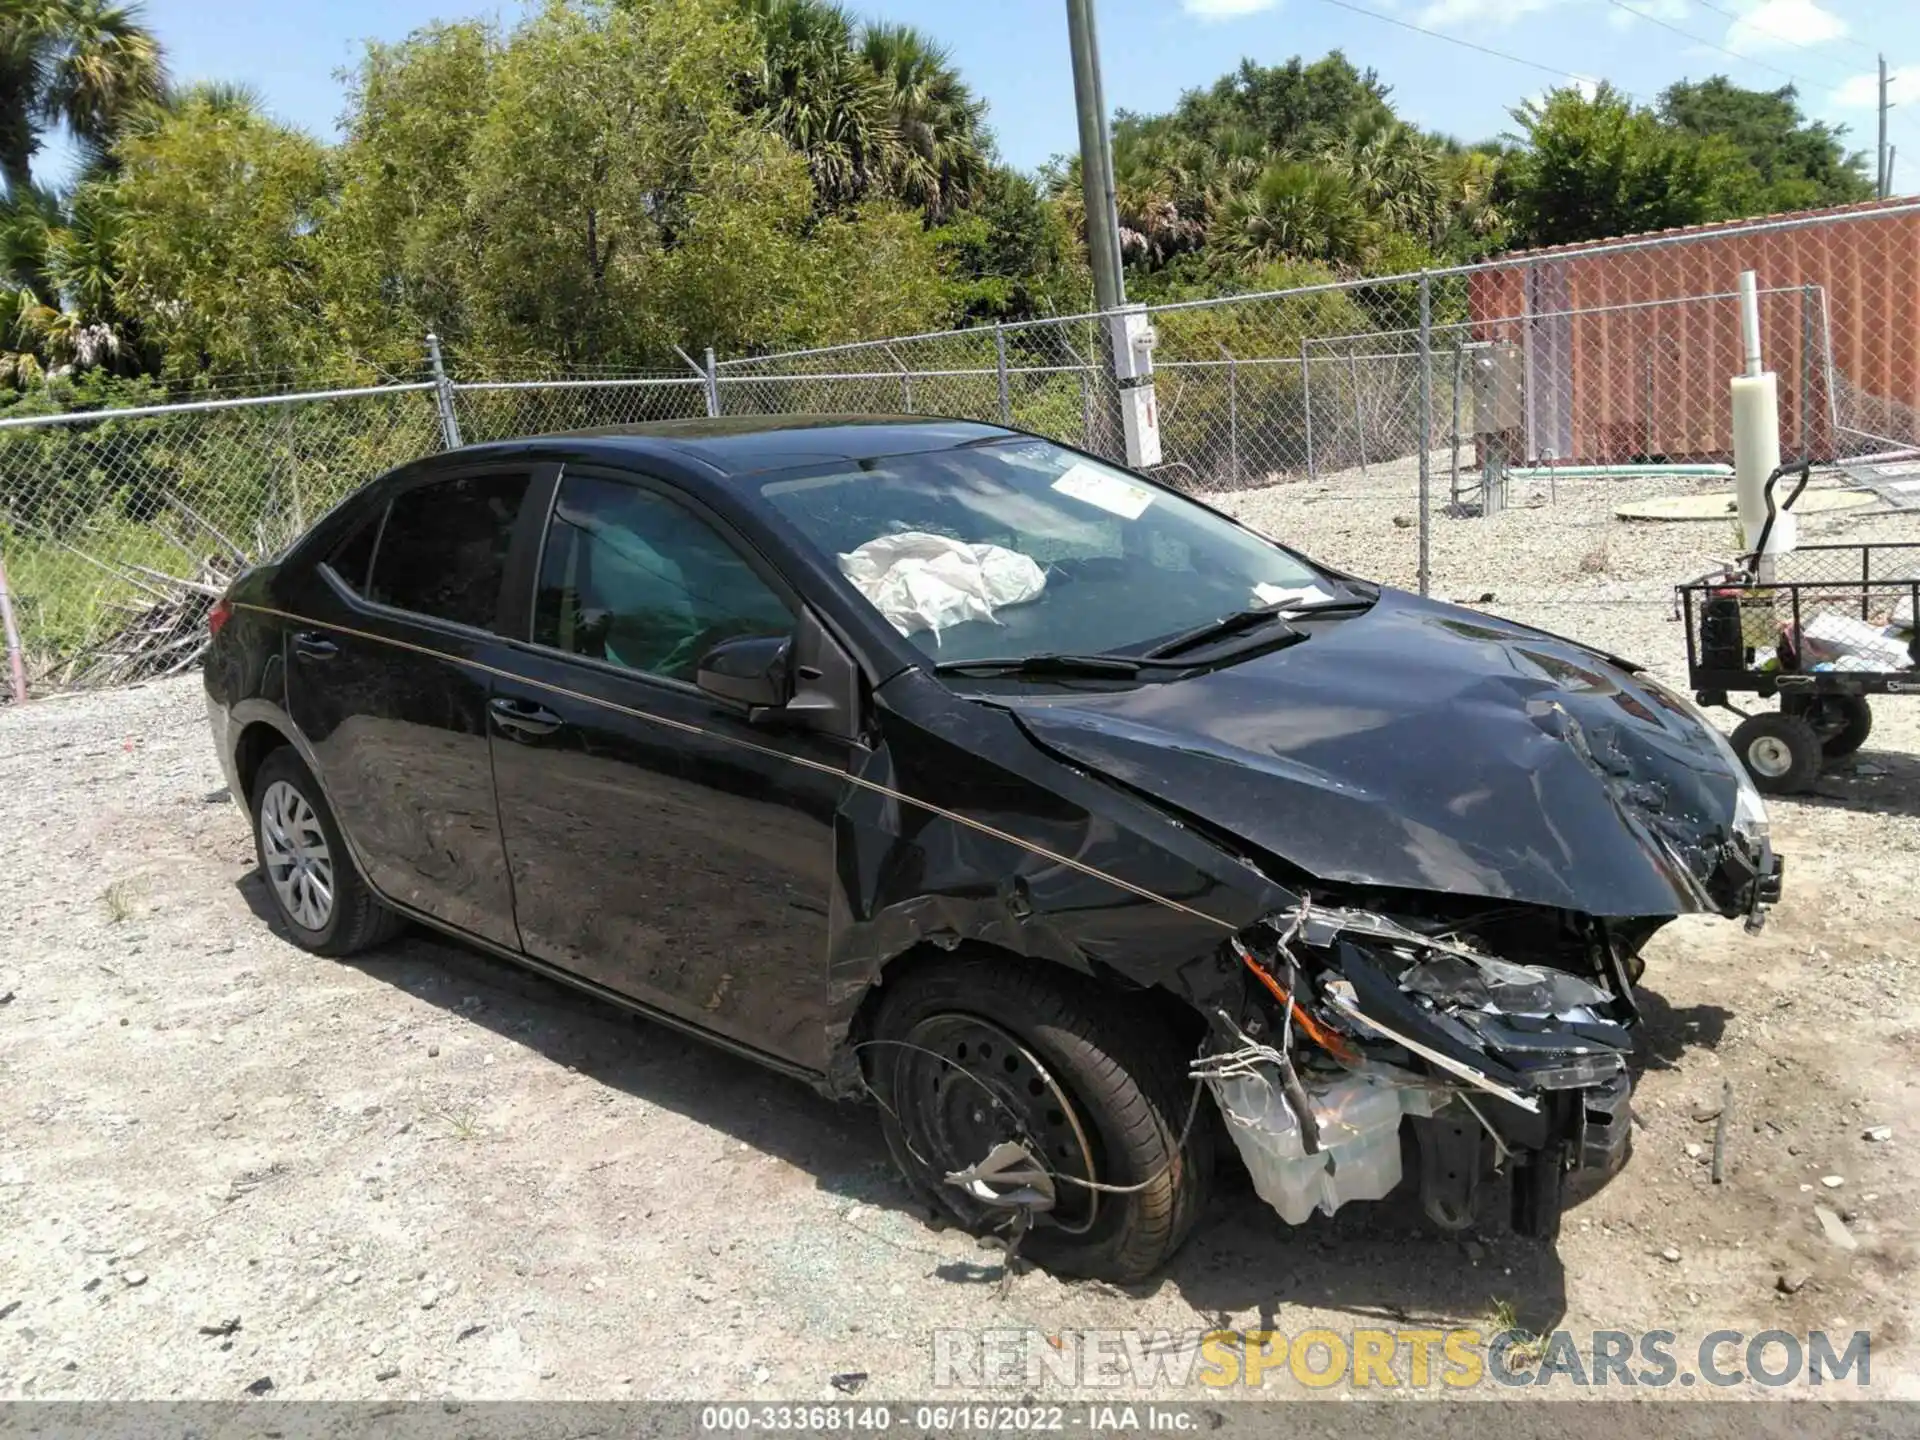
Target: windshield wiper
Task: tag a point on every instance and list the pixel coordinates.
(1329, 607)
(1224, 627)
(1097, 666)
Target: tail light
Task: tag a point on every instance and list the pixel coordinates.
(218, 616)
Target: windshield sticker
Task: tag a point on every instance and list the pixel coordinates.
(1109, 492)
(1283, 596)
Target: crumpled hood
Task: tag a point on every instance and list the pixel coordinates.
(1427, 747)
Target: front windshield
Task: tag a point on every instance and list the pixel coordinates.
(1021, 548)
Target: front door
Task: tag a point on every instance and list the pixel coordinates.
(660, 843)
(386, 684)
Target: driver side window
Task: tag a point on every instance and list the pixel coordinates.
(629, 577)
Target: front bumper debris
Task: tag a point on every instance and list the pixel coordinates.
(1349, 1022)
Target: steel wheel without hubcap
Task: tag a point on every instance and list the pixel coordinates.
(964, 1085)
(1769, 757)
(299, 864)
(1781, 751)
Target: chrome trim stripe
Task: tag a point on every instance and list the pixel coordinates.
(766, 750)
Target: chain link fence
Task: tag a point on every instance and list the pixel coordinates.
(1472, 432)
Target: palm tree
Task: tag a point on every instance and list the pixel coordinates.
(1470, 181)
(1395, 172)
(813, 89)
(81, 64)
(1298, 210)
(28, 220)
(938, 123)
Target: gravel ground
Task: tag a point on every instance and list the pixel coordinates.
(225, 1165)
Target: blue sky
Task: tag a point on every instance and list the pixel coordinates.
(1014, 52)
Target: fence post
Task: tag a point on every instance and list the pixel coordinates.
(1803, 410)
(1000, 370)
(1459, 366)
(1306, 403)
(906, 380)
(713, 385)
(1426, 425)
(1233, 416)
(1359, 419)
(16, 658)
(293, 474)
(443, 395)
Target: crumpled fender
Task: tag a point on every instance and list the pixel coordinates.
(984, 838)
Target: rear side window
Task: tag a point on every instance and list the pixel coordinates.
(444, 549)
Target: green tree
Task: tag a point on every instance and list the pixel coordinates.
(402, 242)
(1296, 109)
(1800, 163)
(1394, 171)
(937, 156)
(1597, 166)
(220, 214)
(807, 83)
(1013, 254)
(79, 64)
(1298, 211)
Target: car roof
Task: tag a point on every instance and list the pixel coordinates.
(753, 444)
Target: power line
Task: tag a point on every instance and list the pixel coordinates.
(1783, 39)
(1553, 70)
(1689, 35)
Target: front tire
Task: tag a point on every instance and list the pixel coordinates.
(1782, 752)
(979, 1048)
(317, 890)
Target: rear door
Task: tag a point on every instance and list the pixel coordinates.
(661, 843)
(389, 680)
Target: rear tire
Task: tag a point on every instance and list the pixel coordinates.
(1088, 1078)
(1781, 752)
(318, 892)
(1843, 722)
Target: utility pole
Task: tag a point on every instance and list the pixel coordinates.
(1885, 186)
(1096, 159)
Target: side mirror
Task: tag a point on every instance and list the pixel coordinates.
(752, 670)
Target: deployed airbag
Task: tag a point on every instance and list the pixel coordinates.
(922, 581)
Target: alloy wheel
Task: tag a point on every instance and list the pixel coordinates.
(299, 864)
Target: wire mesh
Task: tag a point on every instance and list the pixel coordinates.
(107, 521)
(1476, 431)
(506, 410)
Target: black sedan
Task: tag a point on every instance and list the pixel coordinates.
(1071, 821)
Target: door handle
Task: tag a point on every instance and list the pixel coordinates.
(523, 717)
(312, 645)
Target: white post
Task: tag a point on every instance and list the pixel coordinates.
(1750, 320)
(1756, 435)
(1131, 336)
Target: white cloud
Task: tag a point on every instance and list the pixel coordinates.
(1443, 13)
(1862, 92)
(1621, 19)
(1225, 9)
(1782, 24)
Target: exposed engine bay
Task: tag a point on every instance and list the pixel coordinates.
(1331, 1025)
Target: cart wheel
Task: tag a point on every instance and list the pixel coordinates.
(1843, 722)
(1782, 752)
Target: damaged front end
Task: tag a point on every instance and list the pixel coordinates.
(1332, 1025)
